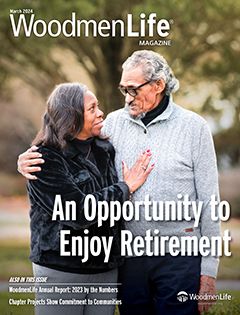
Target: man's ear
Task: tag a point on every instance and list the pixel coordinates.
(160, 85)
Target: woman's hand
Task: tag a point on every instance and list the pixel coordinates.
(137, 175)
(27, 161)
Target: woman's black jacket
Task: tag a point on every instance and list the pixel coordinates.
(68, 174)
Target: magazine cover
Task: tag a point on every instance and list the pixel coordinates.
(120, 157)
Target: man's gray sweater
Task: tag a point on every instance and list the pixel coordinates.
(185, 163)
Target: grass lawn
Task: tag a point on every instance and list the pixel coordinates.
(6, 309)
(227, 307)
(229, 266)
(14, 260)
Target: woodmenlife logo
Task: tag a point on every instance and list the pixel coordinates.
(183, 296)
(142, 27)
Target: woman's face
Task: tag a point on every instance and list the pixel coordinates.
(93, 117)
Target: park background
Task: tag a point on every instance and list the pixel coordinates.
(204, 56)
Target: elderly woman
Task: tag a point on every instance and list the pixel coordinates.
(77, 163)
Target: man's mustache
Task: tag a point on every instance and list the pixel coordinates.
(137, 116)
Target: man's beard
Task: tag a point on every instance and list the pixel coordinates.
(137, 116)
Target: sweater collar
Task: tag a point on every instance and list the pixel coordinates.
(155, 112)
(73, 147)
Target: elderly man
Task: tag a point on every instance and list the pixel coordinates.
(185, 163)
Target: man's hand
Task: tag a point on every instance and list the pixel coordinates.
(207, 286)
(27, 161)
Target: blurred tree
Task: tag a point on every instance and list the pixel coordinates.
(16, 133)
(205, 48)
(101, 57)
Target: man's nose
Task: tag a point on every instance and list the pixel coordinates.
(128, 98)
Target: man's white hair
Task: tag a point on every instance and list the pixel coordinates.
(154, 67)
